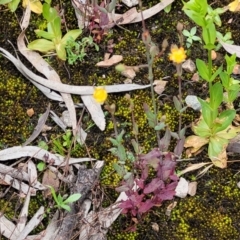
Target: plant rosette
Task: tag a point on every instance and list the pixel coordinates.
(217, 138)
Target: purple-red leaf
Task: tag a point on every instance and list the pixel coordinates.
(153, 185)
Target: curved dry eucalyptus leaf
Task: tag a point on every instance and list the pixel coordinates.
(193, 167)
(43, 67)
(146, 13)
(8, 228)
(33, 223)
(95, 110)
(22, 218)
(37, 130)
(78, 90)
(31, 76)
(39, 153)
(32, 172)
(17, 184)
(230, 48)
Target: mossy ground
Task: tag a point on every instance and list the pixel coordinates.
(214, 212)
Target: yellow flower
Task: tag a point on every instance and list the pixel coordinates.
(100, 95)
(177, 55)
(35, 5)
(234, 6)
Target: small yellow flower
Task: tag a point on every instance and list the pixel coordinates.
(234, 6)
(177, 55)
(100, 94)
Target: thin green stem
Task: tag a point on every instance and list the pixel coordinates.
(210, 68)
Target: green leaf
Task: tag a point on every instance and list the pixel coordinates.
(114, 141)
(71, 34)
(13, 5)
(41, 45)
(186, 33)
(72, 198)
(197, 18)
(219, 70)
(225, 120)
(202, 129)
(231, 62)
(209, 115)
(43, 145)
(168, 8)
(159, 127)
(215, 146)
(56, 28)
(112, 5)
(66, 207)
(198, 6)
(209, 34)
(233, 94)
(44, 34)
(119, 169)
(121, 153)
(216, 95)
(193, 31)
(41, 166)
(177, 104)
(225, 80)
(61, 52)
(2, 2)
(60, 199)
(202, 69)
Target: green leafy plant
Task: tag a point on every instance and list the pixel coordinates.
(214, 127)
(12, 4)
(52, 40)
(78, 50)
(191, 36)
(61, 203)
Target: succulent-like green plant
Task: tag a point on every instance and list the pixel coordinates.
(52, 39)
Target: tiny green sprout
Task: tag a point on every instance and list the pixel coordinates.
(227, 38)
(60, 202)
(191, 36)
(41, 166)
(43, 145)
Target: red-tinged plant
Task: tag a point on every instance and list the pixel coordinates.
(144, 193)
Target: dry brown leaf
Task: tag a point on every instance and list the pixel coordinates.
(195, 77)
(127, 17)
(221, 160)
(159, 86)
(30, 112)
(50, 178)
(195, 143)
(128, 73)
(111, 61)
(146, 13)
(192, 188)
(193, 167)
(170, 207)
